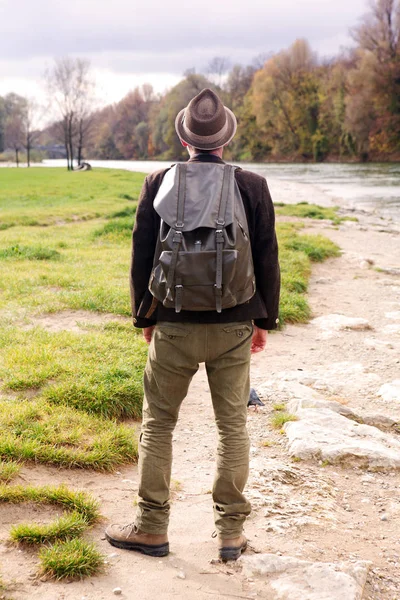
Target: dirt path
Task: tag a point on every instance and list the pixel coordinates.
(303, 509)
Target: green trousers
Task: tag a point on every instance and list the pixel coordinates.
(175, 352)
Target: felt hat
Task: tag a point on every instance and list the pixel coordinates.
(206, 123)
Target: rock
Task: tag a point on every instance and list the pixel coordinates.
(333, 323)
(322, 434)
(181, 575)
(393, 315)
(390, 391)
(294, 579)
(309, 399)
(391, 329)
(117, 591)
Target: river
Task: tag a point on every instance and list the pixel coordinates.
(372, 187)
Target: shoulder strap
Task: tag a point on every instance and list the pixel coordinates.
(177, 236)
(228, 169)
(180, 205)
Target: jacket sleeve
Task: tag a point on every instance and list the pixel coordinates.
(144, 239)
(266, 264)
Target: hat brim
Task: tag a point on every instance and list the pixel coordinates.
(218, 140)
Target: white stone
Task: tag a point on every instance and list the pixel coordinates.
(390, 391)
(333, 323)
(294, 579)
(181, 575)
(392, 329)
(322, 434)
(117, 591)
(393, 315)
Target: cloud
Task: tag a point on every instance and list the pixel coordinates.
(164, 37)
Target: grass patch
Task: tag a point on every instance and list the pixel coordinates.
(79, 503)
(297, 252)
(115, 230)
(8, 470)
(29, 253)
(99, 372)
(62, 529)
(316, 247)
(311, 211)
(128, 211)
(72, 559)
(35, 431)
(281, 417)
(69, 556)
(279, 406)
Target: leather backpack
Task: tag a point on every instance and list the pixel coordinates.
(203, 258)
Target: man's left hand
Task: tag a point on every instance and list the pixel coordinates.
(148, 333)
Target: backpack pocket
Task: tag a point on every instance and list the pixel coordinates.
(195, 280)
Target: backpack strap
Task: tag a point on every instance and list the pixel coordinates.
(177, 235)
(219, 235)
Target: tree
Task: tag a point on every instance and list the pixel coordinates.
(14, 108)
(70, 86)
(378, 67)
(285, 100)
(14, 134)
(217, 68)
(30, 123)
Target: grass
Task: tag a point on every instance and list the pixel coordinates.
(73, 559)
(62, 529)
(297, 252)
(65, 554)
(40, 196)
(79, 503)
(99, 372)
(8, 470)
(34, 430)
(282, 417)
(29, 253)
(311, 211)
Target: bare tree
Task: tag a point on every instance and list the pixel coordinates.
(70, 85)
(217, 68)
(30, 123)
(14, 106)
(379, 31)
(14, 134)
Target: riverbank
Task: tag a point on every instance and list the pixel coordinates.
(335, 500)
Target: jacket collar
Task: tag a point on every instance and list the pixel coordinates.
(206, 158)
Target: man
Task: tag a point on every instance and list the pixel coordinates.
(180, 340)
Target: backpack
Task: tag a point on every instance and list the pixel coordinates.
(203, 259)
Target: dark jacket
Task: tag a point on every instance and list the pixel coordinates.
(262, 308)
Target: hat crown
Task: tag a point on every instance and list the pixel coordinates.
(205, 114)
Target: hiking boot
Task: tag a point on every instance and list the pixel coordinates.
(231, 549)
(129, 537)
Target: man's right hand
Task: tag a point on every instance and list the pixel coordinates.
(259, 340)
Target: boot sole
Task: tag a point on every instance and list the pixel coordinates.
(157, 551)
(233, 553)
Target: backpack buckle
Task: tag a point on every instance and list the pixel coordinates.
(219, 236)
(177, 237)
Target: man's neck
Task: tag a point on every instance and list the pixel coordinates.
(218, 152)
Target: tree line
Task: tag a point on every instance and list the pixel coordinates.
(290, 105)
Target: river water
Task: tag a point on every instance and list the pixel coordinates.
(374, 188)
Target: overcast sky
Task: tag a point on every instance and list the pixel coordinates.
(131, 42)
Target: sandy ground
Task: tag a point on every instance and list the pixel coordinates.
(303, 509)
